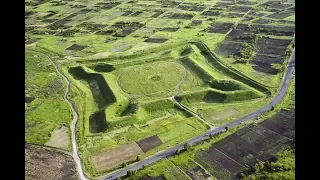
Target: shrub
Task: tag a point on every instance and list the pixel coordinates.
(187, 146)
(178, 151)
(130, 173)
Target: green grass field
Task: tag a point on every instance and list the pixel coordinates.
(48, 110)
(152, 78)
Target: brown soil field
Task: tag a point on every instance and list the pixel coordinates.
(44, 164)
(149, 143)
(111, 158)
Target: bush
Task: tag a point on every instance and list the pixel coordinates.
(242, 175)
(242, 61)
(178, 151)
(130, 173)
(187, 146)
(247, 50)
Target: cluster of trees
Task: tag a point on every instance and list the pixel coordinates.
(261, 170)
(246, 52)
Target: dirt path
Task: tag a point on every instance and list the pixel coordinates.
(182, 81)
(75, 118)
(195, 114)
(51, 148)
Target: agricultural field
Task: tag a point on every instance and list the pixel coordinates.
(143, 76)
(236, 155)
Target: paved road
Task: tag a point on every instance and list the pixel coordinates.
(172, 150)
(75, 118)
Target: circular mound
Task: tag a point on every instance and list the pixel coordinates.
(152, 78)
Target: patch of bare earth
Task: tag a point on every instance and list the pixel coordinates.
(44, 164)
(60, 138)
(111, 158)
(149, 143)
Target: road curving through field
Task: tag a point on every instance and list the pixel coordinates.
(75, 118)
(172, 150)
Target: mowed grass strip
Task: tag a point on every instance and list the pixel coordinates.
(149, 143)
(107, 160)
(152, 78)
(174, 133)
(224, 114)
(60, 138)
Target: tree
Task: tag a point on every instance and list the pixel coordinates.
(178, 151)
(210, 136)
(261, 166)
(187, 146)
(138, 158)
(242, 60)
(242, 175)
(124, 164)
(130, 173)
(272, 108)
(226, 128)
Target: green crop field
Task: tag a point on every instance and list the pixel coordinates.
(147, 75)
(152, 78)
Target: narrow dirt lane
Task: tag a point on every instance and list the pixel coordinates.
(74, 121)
(195, 114)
